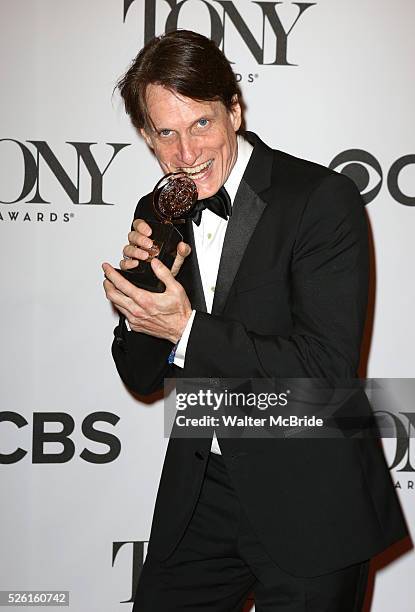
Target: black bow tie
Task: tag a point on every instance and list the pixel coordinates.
(220, 204)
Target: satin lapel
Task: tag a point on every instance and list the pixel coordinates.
(190, 273)
(246, 212)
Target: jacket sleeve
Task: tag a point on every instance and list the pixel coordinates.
(329, 283)
(141, 360)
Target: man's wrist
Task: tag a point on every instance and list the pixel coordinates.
(185, 322)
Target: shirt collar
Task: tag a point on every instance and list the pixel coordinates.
(237, 172)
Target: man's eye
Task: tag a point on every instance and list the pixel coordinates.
(165, 132)
(203, 122)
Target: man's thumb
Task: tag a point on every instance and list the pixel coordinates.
(161, 271)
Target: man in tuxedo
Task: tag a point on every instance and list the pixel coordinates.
(272, 283)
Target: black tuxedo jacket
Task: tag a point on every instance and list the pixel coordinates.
(290, 301)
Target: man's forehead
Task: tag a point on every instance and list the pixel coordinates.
(160, 102)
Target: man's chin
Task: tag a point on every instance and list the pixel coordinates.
(205, 192)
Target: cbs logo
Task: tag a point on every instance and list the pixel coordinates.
(362, 167)
(41, 438)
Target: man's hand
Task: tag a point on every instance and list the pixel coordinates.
(140, 246)
(163, 315)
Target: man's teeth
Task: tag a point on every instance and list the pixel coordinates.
(197, 169)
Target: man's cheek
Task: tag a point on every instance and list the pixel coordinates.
(165, 166)
(164, 161)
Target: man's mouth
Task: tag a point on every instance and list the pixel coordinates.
(197, 171)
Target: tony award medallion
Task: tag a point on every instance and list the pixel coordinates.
(173, 199)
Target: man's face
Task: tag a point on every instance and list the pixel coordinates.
(198, 138)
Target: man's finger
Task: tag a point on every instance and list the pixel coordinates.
(137, 239)
(128, 264)
(141, 226)
(183, 250)
(162, 272)
(114, 295)
(135, 252)
(121, 283)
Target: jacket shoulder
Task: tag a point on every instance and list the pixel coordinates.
(288, 175)
(304, 170)
(304, 180)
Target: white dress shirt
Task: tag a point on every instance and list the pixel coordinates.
(209, 237)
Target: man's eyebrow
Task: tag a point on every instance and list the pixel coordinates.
(150, 124)
(208, 115)
(155, 128)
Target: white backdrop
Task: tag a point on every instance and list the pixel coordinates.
(352, 87)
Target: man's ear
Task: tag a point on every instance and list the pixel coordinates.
(236, 113)
(146, 137)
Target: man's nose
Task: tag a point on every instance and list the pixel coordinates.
(189, 151)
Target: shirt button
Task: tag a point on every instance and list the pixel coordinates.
(212, 289)
(209, 236)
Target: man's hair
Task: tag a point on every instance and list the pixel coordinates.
(181, 61)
